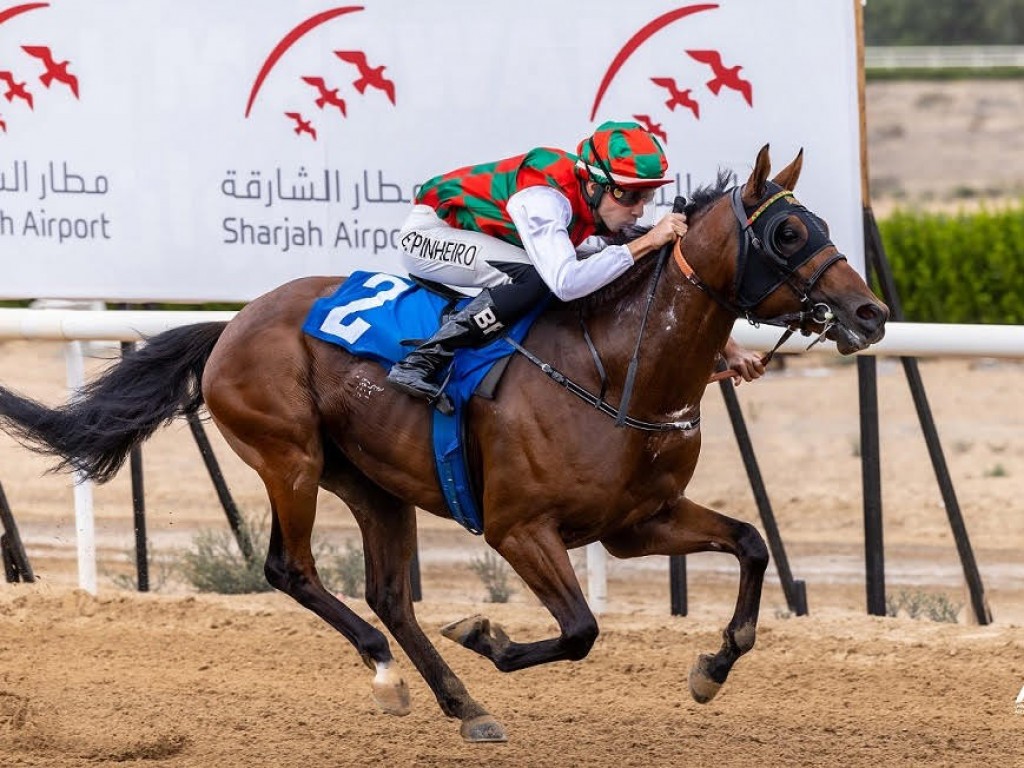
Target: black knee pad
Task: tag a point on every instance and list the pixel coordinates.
(515, 299)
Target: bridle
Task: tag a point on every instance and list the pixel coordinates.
(761, 267)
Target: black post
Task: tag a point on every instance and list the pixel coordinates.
(677, 584)
(11, 574)
(871, 482)
(14, 549)
(876, 251)
(870, 467)
(795, 591)
(139, 517)
(956, 520)
(230, 510)
(138, 506)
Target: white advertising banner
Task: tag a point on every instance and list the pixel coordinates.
(201, 151)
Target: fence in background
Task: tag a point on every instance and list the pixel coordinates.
(913, 339)
(943, 57)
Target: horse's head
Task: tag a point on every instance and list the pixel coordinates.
(787, 271)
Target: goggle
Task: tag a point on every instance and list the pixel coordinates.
(630, 197)
(624, 196)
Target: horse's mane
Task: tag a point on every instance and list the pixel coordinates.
(621, 285)
(704, 196)
(700, 201)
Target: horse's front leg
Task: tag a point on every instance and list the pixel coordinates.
(684, 527)
(539, 556)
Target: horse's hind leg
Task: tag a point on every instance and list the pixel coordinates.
(291, 569)
(388, 526)
(685, 528)
(538, 555)
(290, 468)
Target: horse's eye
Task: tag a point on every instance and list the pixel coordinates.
(788, 236)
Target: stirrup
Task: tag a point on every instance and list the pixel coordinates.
(443, 404)
(441, 401)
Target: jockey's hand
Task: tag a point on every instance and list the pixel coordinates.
(746, 363)
(671, 226)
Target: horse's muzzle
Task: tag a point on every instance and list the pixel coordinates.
(857, 330)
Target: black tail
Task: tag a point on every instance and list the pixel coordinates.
(95, 432)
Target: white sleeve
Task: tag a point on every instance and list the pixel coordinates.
(590, 246)
(541, 215)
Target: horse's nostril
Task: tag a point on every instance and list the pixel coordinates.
(871, 313)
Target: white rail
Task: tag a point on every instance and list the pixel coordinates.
(901, 339)
(943, 57)
(907, 340)
(103, 325)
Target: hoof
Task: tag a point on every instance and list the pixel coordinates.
(390, 691)
(482, 729)
(702, 687)
(459, 630)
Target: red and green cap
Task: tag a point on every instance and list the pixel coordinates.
(626, 153)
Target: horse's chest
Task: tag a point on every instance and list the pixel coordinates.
(673, 453)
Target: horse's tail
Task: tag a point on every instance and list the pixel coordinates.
(95, 431)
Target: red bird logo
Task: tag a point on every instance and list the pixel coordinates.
(302, 126)
(15, 89)
(651, 127)
(54, 71)
(677, 98)
(326, 96)
(368, 76)
(724, 76)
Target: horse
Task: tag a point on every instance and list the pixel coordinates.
(553, 472)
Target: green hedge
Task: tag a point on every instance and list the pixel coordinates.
(964, 268)
(876, 74)
(943, 22)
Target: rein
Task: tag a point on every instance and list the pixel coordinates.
(787, 320)
(627, 389)
(591, 399)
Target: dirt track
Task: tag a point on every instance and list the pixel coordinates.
(253, 681)
(192, 681)
(239, 681)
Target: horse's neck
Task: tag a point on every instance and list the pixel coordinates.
(690, 346)
(684, 333)
(692, 330)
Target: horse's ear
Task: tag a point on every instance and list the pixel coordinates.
(753, 190)
(788, 176)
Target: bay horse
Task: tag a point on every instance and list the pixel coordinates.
(553, 473)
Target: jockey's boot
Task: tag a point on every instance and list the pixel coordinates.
(468, 327)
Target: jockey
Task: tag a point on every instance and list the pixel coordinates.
(512, 228)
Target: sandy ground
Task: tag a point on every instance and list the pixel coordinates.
(189, 680)
(945, 144)
(200, 680)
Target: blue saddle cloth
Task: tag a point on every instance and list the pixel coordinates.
(370, 315)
